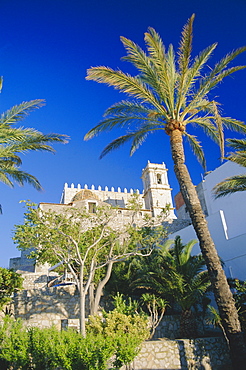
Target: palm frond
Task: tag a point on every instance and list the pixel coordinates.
(196, 148)
(234, 124)
(138, 136)
(193, 73)
(171, 76)
(126, 107)
(142, 62)
(212, 80)
(223, 63)
(238, 144)
(126, 83)
(19, 112)
(185, 46)
(115, 144)
(206, 125)
(120, 120)
(186, 252)
(239, 156)
(219, 124)
(9, 173)
(163, 65)
(230, 185)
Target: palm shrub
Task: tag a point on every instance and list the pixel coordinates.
(173, 274)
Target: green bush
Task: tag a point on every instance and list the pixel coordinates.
(118, 337)
(14, 344)
(126, 331)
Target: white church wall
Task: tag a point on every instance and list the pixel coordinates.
(232, 250)
(234, 205)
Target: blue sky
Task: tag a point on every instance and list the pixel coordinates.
(46, 47)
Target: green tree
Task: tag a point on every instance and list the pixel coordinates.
(87, 243)
(10, 281)
(19, 140)
(235, 183)
(172, 92)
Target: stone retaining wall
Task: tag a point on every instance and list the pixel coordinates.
(48, 306)
(183, 354)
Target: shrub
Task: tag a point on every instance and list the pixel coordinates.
(125, 328)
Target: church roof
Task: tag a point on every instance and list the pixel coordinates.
(84, 194)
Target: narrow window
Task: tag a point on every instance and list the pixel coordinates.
(92, 207)
(159, 178)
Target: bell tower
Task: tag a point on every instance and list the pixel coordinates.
(157, 192)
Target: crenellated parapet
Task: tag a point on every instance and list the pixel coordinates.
(114, 196)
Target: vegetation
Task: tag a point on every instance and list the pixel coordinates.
(10, 281)
(239, 292)
(118, 337)
(15, 141)
(171, 94)
(156, 308)
(125, 326)
(87, 243)
(236, 183)
(171, 274)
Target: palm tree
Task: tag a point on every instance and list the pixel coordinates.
(15, 141)
(184, 278)
(235, 183)
(168, 97)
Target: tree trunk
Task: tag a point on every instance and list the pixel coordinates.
(82, 295)
(92, 298)
(99, 289)
(223, 295)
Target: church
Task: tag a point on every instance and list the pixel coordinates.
(155, 196)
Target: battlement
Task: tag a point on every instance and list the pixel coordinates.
(110, 195)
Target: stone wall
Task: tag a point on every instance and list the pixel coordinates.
(185, 354)
(48, 306)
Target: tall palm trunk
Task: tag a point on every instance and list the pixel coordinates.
(223, 295)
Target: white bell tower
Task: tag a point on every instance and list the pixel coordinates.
(157, 192)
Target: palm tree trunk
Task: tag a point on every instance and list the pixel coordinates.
(223, 295)
(188, 324)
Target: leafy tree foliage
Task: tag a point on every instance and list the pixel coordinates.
(10, 281)
(87, 243)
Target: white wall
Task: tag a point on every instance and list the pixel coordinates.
(226, 221)
(232, 250)
(234, 205)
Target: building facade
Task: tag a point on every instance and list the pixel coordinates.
(226, 220)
